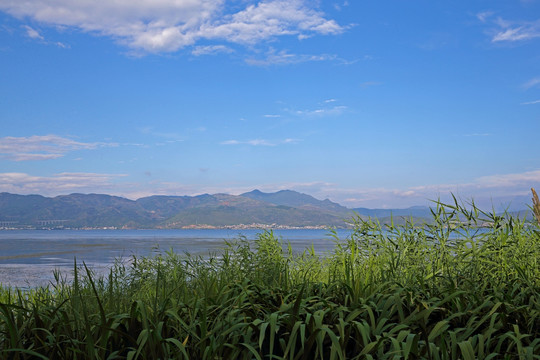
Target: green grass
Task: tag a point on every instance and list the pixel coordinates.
(464, 286)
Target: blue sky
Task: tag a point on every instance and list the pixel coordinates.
(367, 103)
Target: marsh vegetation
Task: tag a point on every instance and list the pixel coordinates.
(464, 286)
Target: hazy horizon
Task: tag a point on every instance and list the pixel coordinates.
(368, 104)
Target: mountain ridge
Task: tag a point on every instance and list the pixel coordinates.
(161, 211)
(296, 199)
(251, 209)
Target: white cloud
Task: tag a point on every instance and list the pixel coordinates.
(63, 183)
(484, 15)
(512, 31)
(283, 57)
(509, 180)
(254, 142)
(32, 157)
(531, 83)
(44, 147)
(268, 19)
(169, 25)
(332, 111)
(271, 116)
(32, 33)
(260, 142)
(516, 34)
(531, 102)
(338, 7)
(211, 50)
(36, 35)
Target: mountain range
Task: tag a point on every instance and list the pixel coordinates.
(285, 208)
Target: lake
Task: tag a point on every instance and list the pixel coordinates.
(28, 257)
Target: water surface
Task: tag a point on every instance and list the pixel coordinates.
(29, 257)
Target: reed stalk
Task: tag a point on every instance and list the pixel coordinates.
(536, 205)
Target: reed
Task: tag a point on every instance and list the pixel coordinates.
(464, 286)
(536, 205)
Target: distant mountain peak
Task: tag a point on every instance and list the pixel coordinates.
(296, 199)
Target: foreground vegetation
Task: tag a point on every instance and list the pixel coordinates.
(446, 290)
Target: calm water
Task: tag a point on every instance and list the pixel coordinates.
(28, 257)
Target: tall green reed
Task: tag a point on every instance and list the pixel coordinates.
(464, 285)
(536, 205)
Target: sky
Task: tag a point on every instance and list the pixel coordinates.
(378, 104)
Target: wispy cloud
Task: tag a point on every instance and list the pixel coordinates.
(62, 183)
(509, 180)
(324, 111)
(44, 147)
(169, 25)
(254, 142)
(339, 7)
(531, 102)
(169, 136)
(211, 50)
(260, 142)
(484, 15)
(518, 33)
(485, 191)
(271, 116)
(291, 141)
(503, 30)
(283, 57)
(531, 83)
(32, 33)
(366, 84)
(36, 35)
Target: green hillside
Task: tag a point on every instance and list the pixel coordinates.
(97, 210)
